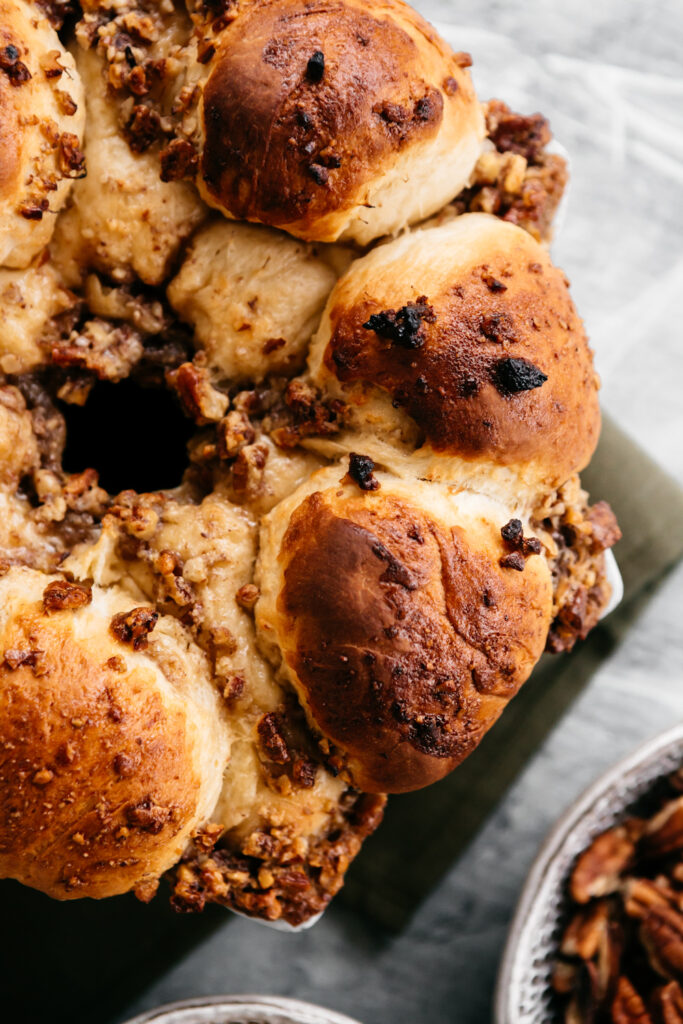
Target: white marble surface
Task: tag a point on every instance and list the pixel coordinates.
(609, 76)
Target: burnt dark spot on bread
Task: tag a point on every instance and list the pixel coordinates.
(134, 627)
(361, 469)
(14, 68)
(320, 174)
(514, 375)
(404, 326)
(315, 67)
(480, 351)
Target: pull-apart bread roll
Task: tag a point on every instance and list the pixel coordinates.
(42, 116)
(112, 740)
(254, 298)
(334, 120)
(462, 342)
(357, 519)
(124, 221)
(398, 623)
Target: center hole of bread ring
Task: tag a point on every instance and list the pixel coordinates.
(135, 437)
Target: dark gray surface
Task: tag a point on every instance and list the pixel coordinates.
(605, 74)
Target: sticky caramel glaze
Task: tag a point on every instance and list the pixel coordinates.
(402, 633)
(495, 295)
(287, 149)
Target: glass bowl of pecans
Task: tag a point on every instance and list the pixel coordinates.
(598, 932)
(241, 1009)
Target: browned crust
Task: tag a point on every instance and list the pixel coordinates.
(405, 639)
(283, 148)
(10, 150)
(271, 875)
(94, 774)
(497, 310)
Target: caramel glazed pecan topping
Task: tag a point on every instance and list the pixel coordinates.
(621, 956)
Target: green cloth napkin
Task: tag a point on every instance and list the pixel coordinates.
(424, 832)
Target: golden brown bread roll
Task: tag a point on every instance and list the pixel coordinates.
(42, 117)
(463, 341)
(111, 738)
(334, 120)
(397, 620)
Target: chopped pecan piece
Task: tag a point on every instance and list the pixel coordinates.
(62, 594)
(234, 432)
(178, 160)
(247, 596)
(249, 470)
(668, 1002)
(664, 833)
(134, 627)
(199, 398)
(598, 870)
(34, 659)
(148, 816)
(605, 530)
(271, 738)
(515, 133)
(662, 935)
(628, 1007)
(585, 932)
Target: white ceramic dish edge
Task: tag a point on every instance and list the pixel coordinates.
(240, 1009)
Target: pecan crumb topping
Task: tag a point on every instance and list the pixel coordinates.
(134, 627)
(148, 816)
(62, 594)
(248, 595)
(272, 739)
